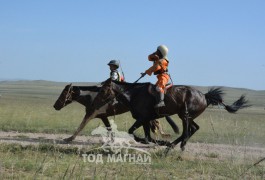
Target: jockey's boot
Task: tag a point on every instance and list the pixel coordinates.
(160, 100)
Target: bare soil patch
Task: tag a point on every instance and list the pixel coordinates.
(192, 151)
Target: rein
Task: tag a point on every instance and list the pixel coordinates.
(109, 98)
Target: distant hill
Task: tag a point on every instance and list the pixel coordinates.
(51, 88)
(43, 82)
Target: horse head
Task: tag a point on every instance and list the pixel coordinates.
(65, 98)
(105, 95)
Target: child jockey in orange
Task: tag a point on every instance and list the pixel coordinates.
(160, 69)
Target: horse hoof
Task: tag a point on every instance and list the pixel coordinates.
(67, 140)
(182, 146)
(141, 140)
(167, 151)
(145, 141)
(163, 143)
(168, 144)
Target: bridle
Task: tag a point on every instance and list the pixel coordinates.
(68, 96)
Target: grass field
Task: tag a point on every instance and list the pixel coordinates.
(54, 163)
(27, 106)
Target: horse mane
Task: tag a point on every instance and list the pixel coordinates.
(124, 86)
(147, 84)
(88, 88)
(134, 84)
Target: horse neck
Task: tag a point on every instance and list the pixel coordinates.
(83, 97)
(124, 91)
(124, 86)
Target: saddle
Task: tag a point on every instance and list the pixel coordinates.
(152, 88)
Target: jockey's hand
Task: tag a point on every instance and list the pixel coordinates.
(153, 57)
(143, 74)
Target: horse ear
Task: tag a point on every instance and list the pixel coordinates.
(69, 85)
(108, 81)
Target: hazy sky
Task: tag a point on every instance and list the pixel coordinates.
(211, 42)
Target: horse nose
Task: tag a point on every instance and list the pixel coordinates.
(56, 107)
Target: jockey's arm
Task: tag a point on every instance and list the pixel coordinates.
(154, 68)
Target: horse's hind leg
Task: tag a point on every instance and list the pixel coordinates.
(193, 128)
(185, 132)
(196, 127)
(179, 139)
(187, 128)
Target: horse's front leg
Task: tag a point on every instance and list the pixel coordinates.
(135, 126)
(86, 119)
(147, 138)
(106, 122)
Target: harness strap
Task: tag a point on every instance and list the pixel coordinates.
(162, 70)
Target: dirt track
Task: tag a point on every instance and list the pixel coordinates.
(193, 150)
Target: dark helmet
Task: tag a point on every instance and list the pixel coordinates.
(115, 63)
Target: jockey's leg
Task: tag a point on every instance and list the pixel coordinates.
(160, 97)
(160, 88)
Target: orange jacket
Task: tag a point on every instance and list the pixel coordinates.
(159, 65)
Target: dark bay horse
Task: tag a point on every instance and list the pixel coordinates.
(85, 96)
(185, 101)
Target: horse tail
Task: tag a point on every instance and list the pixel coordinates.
(215, 97)
(156, 126)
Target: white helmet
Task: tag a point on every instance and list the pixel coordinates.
(163, 50)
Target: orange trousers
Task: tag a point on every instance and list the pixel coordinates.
(162, 80)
